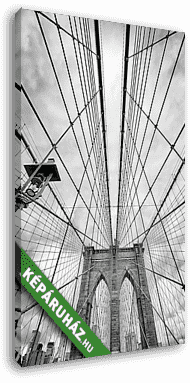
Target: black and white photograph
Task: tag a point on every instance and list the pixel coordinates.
(100, 182)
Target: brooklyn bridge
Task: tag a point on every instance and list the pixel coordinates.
(99, 181)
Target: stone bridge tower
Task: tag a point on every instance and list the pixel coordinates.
(114, 265)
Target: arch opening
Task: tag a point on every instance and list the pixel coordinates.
(100, 312)
(130, 334)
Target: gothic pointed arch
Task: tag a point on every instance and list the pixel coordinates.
(130, 276)
(113, 266)
(99, 277)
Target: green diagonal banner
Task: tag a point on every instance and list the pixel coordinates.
(56, 306)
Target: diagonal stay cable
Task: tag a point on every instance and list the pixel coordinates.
(136, 122)
(64, 30)
(66, 284)
(127, 151)
(83, 76)
(76, 278)
(157, 312)
(21, 137)
(142, 82)
(123, 180)
(153, 123)
(153, 96)
(133, 86)
(49, 137)
(152, 104)
(134, 83)
(164, 100)
(85, 167)
(141, 327)
(53, 66)
(144, 87)
(76, 104)
(151, 45)
(21, 88)
(97, 39)
(155, 88)
(90, 65)
(157, 209)
(78, 189)
(101, 61)
(127, 37)
(54, 145)
(157, 222)
(63, 220)
(90, 81)
(161, 275)
(151, 186)
(152, 264)
(166, 235)
(156, 179)
(143, 170)
(171, 186)
(87, 84)
(53, 191)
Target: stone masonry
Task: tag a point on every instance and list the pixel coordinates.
(113, 266)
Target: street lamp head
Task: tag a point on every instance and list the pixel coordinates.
(39, 177)
(44, 170)
(36, 183)
(30, 192)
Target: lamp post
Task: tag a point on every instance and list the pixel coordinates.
(39, 177)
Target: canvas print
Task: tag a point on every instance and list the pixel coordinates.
(99, 188)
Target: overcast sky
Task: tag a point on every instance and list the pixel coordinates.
(40, 84)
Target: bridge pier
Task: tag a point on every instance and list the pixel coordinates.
(114, 265)
(115, 323)
(144, 306)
